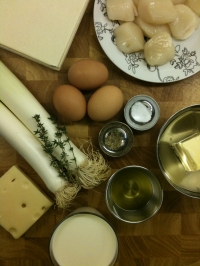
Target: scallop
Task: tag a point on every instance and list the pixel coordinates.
(197, 21)
(185, 24)
(136, 2)
(148, 29)
(177, 2)
(129, 38)
(194, 5)
(159, 49)
(157, 11)
(124, 10)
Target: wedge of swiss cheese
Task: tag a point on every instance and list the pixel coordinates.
(22, 202)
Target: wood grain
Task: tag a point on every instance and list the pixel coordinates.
(172, 236)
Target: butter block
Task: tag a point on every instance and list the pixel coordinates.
(22, 202)
(188, 151)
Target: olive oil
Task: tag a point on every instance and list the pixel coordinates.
(131, 190)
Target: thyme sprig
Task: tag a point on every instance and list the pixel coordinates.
(63, 164)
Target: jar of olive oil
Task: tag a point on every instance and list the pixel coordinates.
(133, 194)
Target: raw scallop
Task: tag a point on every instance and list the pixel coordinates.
(157, 11)
(124, 10)
(136, 2)
(177, 2)
(185, 24)
(148, 29)
(129, 38)
(159, 49)
(194, 5)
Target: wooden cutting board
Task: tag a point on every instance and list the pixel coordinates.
(172, 236)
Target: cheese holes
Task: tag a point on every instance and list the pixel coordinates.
(23, 205)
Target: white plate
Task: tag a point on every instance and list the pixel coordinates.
(186, 61)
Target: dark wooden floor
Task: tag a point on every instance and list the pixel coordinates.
(172, 236)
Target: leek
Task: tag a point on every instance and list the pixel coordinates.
(26, 144)
(90, 168)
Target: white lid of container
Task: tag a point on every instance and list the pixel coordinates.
(141, 112)
(84, 239)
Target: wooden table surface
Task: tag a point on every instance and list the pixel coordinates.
(172, 236)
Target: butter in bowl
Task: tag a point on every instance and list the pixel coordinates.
(178, 151)
(188, 152)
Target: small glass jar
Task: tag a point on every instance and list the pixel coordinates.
(84, 237)
(141, 112)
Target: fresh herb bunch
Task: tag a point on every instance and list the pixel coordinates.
(62, 165)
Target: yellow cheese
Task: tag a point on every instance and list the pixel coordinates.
(188, 151)
(22, 203)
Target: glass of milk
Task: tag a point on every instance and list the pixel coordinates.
(84, 238)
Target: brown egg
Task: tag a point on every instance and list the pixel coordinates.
(87, 74)
(105, 103)
(69, 102)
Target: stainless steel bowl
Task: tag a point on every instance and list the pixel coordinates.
(179, 126)
(135, 209)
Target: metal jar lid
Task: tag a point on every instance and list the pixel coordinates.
(141, 112)
(118, 130)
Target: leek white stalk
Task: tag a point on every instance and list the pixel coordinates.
(27, 145)
(24, 105)
(90, 168)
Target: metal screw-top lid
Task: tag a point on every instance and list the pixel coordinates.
(116, 139)
(141, 112)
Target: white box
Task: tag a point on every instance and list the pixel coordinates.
(40, 30)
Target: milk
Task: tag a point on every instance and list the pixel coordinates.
(84, 239)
